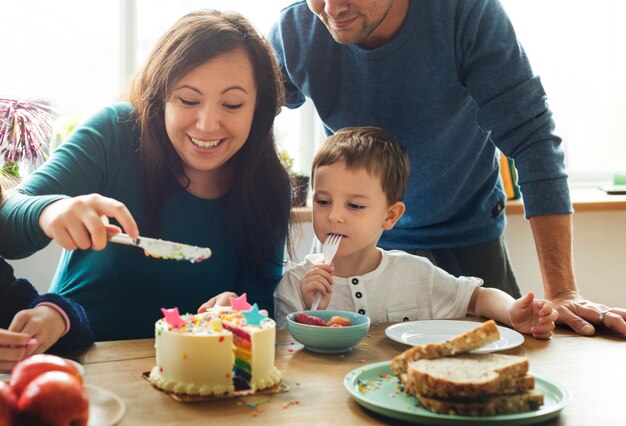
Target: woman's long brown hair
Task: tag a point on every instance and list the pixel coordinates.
(258, 200)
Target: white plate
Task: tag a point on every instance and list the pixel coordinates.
(416, 333)
(105, 407)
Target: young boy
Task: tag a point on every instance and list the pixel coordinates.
(359, 177)
(32, 323)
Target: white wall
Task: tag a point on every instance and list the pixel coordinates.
(40, 267)
(599, 253)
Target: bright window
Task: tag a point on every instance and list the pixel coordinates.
(79, 56)
(577, 47)
(62, 51)
(76, 54)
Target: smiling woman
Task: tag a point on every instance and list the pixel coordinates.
(191, 158)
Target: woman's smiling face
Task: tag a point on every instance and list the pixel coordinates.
(209, 114)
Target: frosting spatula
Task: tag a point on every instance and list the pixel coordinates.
(163, 249)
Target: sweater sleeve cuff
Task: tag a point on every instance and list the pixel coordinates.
(546, 198)
(61, 312)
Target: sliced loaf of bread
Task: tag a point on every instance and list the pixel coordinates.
(446, 379)
(468, 376)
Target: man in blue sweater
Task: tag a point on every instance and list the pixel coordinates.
(450, 80)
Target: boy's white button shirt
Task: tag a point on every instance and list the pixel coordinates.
(404, 287)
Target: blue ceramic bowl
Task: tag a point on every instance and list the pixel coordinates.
(329, 339)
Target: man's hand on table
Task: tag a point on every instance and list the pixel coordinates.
(583, 316)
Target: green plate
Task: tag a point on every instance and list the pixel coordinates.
(376, 388)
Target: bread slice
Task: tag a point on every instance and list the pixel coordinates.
(468, 376)
(482, 335)
(506, 386)
(447, 380)
(488, 406)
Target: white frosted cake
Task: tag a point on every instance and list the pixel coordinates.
(215, 353)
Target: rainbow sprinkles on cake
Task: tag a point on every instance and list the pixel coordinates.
(219, 352)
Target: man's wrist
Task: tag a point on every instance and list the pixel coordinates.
(565, 294)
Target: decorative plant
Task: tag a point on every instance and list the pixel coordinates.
(25, 129)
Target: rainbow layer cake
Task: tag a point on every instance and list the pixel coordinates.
(218, 352)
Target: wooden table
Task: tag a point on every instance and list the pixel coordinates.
(592, 368)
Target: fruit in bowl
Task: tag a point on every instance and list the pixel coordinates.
(304, 318)
(338, 321)
(318, 336)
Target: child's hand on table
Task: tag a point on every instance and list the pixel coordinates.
(43, 323)
(32, 331)
(533, 316)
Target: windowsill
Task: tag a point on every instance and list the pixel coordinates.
(583, 199)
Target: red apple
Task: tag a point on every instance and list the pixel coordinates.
(8, 405)
(25, 371)
(55, 398)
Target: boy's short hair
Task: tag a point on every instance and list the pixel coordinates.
(370, 148)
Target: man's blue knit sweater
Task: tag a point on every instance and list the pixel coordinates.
(452, 85)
